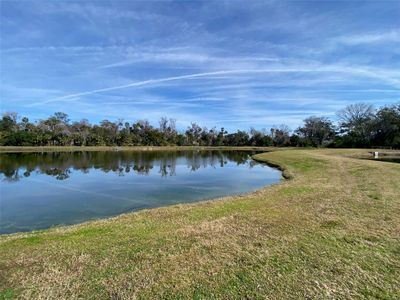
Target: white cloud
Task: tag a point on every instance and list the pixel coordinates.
(388, 76)
(392, 36)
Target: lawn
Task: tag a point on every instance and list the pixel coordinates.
(332, 230)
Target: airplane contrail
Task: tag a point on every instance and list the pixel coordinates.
(361, 71)
(166, 79)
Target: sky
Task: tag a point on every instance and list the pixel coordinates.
(232, 64)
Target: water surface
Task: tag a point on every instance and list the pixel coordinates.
(389, 159)
(41, 190)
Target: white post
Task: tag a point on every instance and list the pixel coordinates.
(376, 154)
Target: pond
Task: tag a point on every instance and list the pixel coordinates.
(41, 190)
(388, 159)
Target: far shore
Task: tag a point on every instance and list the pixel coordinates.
(16, 149)
(126, 148)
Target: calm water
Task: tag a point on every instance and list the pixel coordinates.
(389, 159)
(40, 190)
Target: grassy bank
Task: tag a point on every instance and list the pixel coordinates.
(9, 149)
(331, 231)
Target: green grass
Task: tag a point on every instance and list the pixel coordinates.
(331, 232)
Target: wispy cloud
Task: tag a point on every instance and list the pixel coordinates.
(391, 77)
(391, 36)
(265, 62)
(192, 58)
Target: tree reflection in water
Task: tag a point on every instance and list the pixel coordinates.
(15, 166)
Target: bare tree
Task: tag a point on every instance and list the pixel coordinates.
(280, 135)
(163, 124)
(355, 117)
(61, 117)
(172, 125)
(317, 131)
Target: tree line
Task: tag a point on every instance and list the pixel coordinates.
(359, 125)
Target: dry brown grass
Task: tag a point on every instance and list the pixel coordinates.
(332, 231)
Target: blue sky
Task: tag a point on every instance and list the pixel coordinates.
(221, 63)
